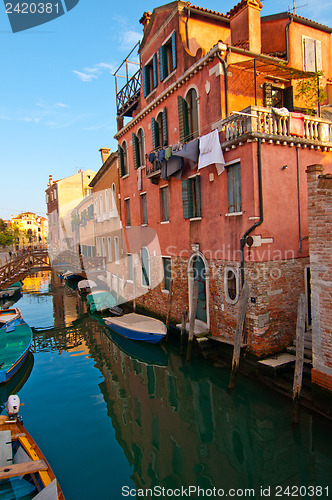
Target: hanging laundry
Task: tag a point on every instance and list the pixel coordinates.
(168, 152)
(176, 147)
(161, 155)
(211, 152)
(190, 151)
(296, 124)
(152, 156)
(174, 167)
(139, 178)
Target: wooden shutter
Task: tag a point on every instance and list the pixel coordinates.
(155, 71)
(155, 133)
(267, 99)
(122, 165)
(135, 150)
(183, 119)
(165, 138)
(238, 195)
(146, 81)
(309, 54)
(162, 62)
(198, 211)
(173, 51)
(318, 56)
(187, 199)
(288, 98)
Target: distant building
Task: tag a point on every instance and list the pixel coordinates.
(32, 230)
(62, 196)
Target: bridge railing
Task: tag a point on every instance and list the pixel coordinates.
(24, 263)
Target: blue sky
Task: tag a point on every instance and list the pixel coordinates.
(57, 106)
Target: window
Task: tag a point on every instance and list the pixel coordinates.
(150, 76)
(191, 197)
(130, 267)
(98, 248)
(164, 204)
(96, 207)
(312, 54)
(107, 207)
(167, 272)
(234, 188)
(145, 267)
(116, 249)
(127, 212)
(231, 283)
(167, 57)
(101, 203)
(123, 155)
(188, 116)
(159, 130)
(113, 196)
(144, 209)
(277, 97)
(138, 149)
(109, 246)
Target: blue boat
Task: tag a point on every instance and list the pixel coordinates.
(137, 327)
(15, 340)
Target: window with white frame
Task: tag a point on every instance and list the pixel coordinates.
(116, 250)
(231, 285)
(109, 248)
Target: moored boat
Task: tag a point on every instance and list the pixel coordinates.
(100, 300)
(7, 315)
(15, 340)
(24, 470)
(11, 290)
(137, 327)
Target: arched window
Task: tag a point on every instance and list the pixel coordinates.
(107, 205)
(113, 196)
(231, 283)
(141, 146)
(145, 263)
(192, 113)
(123, 156)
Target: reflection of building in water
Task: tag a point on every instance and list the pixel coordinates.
(37, 282)
(168, 417)
(67, 307)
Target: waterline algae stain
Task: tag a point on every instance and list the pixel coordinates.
(114, 424)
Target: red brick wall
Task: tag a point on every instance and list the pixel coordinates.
(320, 248)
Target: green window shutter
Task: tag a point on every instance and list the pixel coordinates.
(135, 150)
(162, 62)
(173, 51)
(146, 81)
(165, 138)
(155, 134)
(198, 196)
(122, 166)
(230, 187)
(238, 196)
(183, 119)
(187, 199)
(267, 99)
(288, 98)
(155, 71)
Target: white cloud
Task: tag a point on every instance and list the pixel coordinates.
(84, 77)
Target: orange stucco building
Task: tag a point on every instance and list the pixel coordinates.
(242, 215)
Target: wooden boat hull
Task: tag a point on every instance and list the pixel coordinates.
(137, 327)
(14, 348)
(30, 466)
(7, 315)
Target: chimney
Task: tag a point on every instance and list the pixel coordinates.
(50, 180)
(145, 19)
(105, 152)
(245, 23)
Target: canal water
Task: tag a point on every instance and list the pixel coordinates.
(118, 419)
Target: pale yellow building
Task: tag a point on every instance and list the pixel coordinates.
(32, 230)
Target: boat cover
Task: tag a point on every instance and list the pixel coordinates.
(99, 301)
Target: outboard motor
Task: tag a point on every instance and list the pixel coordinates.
(13, 406)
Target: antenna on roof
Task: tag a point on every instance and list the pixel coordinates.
(297, 7)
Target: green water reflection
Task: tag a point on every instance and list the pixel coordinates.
(108, 416)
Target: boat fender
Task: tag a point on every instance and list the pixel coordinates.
(13, 406)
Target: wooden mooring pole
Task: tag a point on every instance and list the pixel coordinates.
(134, 289)
(169, 302)
(192, 320)
(298, 373)
(244, 295)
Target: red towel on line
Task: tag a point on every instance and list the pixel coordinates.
(296, 124)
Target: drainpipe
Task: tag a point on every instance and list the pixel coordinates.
(187, 31)
(224, 65)
(260, 197)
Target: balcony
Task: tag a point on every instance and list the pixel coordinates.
(153, 171)
(127, 97)
(257, 121)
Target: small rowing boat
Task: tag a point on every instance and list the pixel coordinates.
(137, 327)
(24, 470)
(7, 315)
(15, 340)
